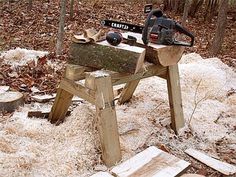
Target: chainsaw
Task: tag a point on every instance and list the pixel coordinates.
(157, 30)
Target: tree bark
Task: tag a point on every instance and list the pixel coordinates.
(30, 4)
(71, 9)
(186, 10)
(196, 4)
(220, 28)
(61, 31)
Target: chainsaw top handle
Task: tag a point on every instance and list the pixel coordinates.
(157, 13)
(183, 30)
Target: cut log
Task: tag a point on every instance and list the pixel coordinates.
(149, 163)
(158, 54)
(222, 167)
(122, 58)
(10, 101)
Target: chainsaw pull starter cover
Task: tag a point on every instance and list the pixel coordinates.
(114, 38)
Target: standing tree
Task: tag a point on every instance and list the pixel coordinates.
(30, 4)
(195, 5)
(220, 28)
(186, 10)
(61, 31)
(71, 9)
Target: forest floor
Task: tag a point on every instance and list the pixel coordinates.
(37, 28)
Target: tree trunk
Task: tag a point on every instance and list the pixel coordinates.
(30, 4)
(220, 28)
(196, 4)
(211, 9)
(186, 10)
(60, 36)
(71, 9)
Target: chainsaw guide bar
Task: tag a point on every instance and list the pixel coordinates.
(123, 26)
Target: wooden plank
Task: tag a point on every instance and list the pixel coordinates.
(102, 174)
(175, 100)
(151, 162)
(107, 123)
(76, 72)
(122, 58)
(128, 91)
(223, 167)
(60, 106)
(77, 89)
(150, 70)
(158, 54)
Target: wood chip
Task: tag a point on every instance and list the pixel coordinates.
(43, 98)
(220, 166)
(149, 163)
(4, 89)
(102, 174)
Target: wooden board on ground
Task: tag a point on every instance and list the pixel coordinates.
(122, 58)
(10, 101)
(43, 98)
(158, 54)
(192, 175)
(102, 174)
(149, 163)
(220, 166)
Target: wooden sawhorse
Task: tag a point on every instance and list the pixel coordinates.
(98, 90)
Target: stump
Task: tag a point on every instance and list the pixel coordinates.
(10, 101)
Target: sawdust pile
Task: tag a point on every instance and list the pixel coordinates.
(20, 57)
(34, 147)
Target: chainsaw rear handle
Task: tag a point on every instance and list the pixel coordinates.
(183, 30)
(157, 13)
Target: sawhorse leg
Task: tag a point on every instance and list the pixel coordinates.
(64, 98)
(128, 91)
(175, 100)
(60, 106)
(106, 117)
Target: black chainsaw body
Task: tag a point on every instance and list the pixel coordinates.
(162, 30)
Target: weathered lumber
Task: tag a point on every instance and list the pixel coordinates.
(77, 89)
(175, 99)
(222, 167)
(10, 101)
(76, 72)
(101, 55)
(148, 71)
(149, 163)
(60, 106)
(106, 117)
(158, 54)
